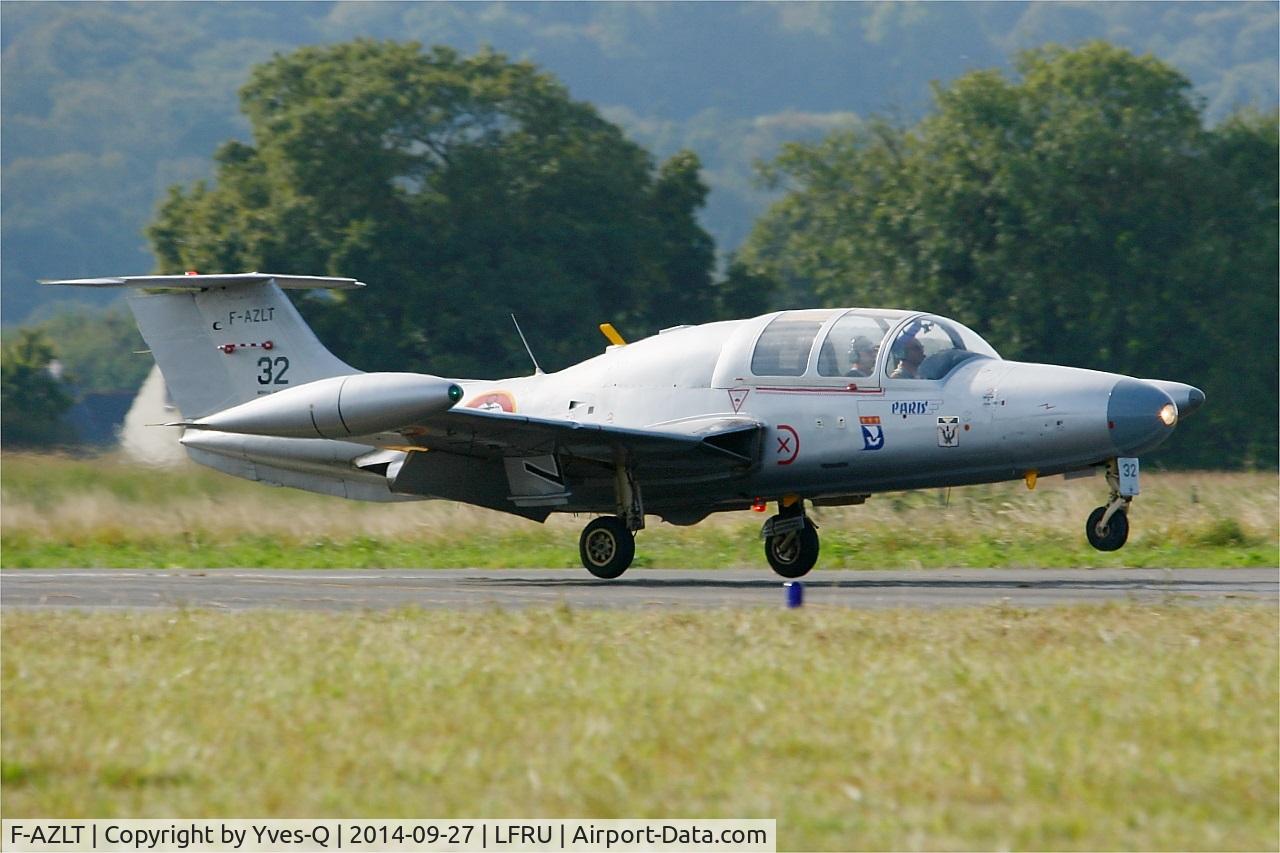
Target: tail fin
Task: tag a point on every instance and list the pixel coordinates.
(221, 340)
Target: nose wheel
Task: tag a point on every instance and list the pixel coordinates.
(1108, 526)
(1108, 535)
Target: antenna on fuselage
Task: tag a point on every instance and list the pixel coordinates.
(537, 371)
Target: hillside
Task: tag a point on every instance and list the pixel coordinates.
(106, 105)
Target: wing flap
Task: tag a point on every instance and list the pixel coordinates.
(730, 444)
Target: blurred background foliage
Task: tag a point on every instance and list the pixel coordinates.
(465, 189)
(107, 105)
(1080, 213)
(1096, 206)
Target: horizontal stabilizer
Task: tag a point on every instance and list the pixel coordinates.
(202, 282)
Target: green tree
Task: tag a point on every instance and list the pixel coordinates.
(1237, 266)
(32, 401)
(743, 293)
(101, 348)
(461, 189)
(1081, 214)
(680, 290)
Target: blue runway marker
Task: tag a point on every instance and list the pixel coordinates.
(795, 594)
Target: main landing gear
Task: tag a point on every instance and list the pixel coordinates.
(791, 540)
(1108, 526)
(608, 544)
(607, 547)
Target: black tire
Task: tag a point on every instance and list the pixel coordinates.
(606, 547)
(793, 554)
(1111, 537)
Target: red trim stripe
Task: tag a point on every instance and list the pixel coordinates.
(784, 390)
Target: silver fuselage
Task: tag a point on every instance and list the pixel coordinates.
(821, 405)
(830, 437)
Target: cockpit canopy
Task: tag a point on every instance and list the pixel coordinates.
(864, 343)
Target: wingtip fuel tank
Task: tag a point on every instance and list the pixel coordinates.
(339, 407)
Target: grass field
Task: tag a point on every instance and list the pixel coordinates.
(1127, 726)
(105, 512)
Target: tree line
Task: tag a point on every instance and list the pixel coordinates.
(1080, 211)
(1081, 214)
(107, 104)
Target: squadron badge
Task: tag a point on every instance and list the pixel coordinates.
(948, 431)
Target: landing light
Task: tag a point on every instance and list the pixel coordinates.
(1168, 414)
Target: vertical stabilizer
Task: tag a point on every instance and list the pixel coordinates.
(222, 340)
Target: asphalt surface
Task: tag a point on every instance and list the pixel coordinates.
(238, 589)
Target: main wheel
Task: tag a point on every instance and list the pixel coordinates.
(794, 553)
(607, 547)
(1111, 537)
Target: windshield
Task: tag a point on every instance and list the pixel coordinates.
(931, 347)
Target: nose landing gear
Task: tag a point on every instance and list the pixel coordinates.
(1107, 534)
(791, 540)
(1108, 526)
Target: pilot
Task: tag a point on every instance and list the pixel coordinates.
(862, 355)
(910, 352)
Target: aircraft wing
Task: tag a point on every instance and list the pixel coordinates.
(694, 447)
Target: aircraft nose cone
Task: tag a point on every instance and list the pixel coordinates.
(1138, 417)
(1195, 397)
(1186, 397)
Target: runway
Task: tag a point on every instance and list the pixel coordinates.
(239, 589)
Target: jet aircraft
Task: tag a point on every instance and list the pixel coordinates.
(821, 407)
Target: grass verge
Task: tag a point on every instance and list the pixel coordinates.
(1124, 726)
(108, 513)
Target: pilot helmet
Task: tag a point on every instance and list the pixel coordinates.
(862, 343)
(899, 349)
